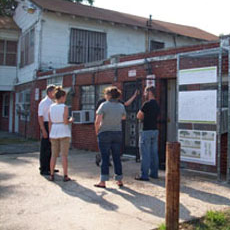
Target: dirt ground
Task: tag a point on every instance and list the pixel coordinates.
(29, 201)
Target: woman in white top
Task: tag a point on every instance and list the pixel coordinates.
(59, 132)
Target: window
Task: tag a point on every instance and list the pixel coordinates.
(6, 105)
(27, 48)
(8, 52)
(23, 104)
(86, 46)
(88, 97)
(91, 94)
(154, 45)
(55, 81)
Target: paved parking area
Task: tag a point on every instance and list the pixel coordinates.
(29, 201)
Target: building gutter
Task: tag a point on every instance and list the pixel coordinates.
(111, 66)
(122, 64)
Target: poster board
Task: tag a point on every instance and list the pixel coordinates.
(198, 106)
(198, 146)
(198, 75)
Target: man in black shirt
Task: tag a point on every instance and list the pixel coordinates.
(148, 143)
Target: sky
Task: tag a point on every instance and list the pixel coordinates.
(210, 15)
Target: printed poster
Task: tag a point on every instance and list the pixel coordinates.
(198, 75)
(198, 146)
(198, 106)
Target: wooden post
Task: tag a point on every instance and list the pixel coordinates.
(172, 185)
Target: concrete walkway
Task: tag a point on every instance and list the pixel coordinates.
(29, 201)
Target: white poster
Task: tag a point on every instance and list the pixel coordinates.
(198, 146)
(198, 75)
(198, 106)
(150, 81)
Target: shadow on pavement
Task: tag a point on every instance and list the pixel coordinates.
(9, 189)
(146, 203)
(72, 188)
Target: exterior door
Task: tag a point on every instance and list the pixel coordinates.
(131, 134)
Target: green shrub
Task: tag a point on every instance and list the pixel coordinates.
(162, 227)
(215, 218)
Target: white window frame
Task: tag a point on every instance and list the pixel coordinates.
(22, 102)
(5, 52)
(27, 48)
(57, 81)
(98, 94)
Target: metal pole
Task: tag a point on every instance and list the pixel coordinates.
(228, 151)
(177, 95)
(219, 102)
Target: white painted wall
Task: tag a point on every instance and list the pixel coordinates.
(172, 40)
(52, 37)
(57, 28)
(7, 78)
(27, 21)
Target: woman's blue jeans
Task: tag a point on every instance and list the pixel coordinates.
(148, 145)
(110, 141)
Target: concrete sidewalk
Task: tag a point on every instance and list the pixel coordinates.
(29, 201)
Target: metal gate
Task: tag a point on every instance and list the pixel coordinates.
(131, 134)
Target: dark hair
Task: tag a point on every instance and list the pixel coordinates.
(151, 89)
(59, 92)
(50, 88)
(112, 91)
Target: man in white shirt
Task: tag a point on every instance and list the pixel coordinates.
(43, 119)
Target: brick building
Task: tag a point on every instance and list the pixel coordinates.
(85, 83)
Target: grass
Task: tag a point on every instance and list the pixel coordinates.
(213, 220)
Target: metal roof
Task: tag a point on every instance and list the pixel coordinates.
(81, 10)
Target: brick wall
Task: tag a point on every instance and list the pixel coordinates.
(83, 136)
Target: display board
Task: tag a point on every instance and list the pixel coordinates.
(198, 75)
(198, 106)
(198, 146)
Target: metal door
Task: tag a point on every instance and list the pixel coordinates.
(131, 134)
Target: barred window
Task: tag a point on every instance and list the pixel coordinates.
(8, 53)
(86, 46)
(27, 48)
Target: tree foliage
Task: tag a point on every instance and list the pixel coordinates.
(7, 7)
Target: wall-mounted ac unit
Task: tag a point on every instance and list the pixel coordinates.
(83, 116)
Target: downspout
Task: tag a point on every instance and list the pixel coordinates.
(174, 41)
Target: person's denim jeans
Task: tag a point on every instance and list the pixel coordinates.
(148, 144)
(110, 141)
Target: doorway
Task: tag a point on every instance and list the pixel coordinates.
(131, 126)
(167, 120)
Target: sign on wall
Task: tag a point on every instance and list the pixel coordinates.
(150, 80)
(198, 146)
(198, 106)
(198, 75)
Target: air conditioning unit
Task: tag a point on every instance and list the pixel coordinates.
(83, 116)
